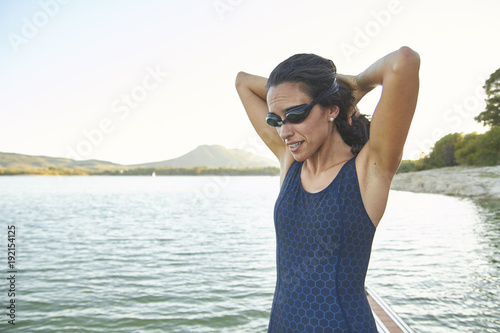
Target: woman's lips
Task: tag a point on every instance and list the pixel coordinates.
(295, 146)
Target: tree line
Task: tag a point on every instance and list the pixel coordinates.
(471, 149)
(166, 171)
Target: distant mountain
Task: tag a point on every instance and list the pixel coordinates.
(208, 156)
(214, 156)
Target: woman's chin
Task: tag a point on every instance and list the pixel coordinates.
(299, 157)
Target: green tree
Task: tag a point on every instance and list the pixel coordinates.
(443, 153)
(407, 166)
(466, 149)
(491, 116)
(490, 147)
(479, 149)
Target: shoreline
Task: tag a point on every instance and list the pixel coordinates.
(471, 182)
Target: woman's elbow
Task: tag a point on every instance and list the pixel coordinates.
(407, 60)
(239, 79)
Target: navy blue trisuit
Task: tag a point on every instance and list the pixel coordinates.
(323, 246)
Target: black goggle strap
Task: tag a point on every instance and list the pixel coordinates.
(307, 108)
(332, 90)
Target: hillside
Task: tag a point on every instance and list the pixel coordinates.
(214, 157)
(203, 156)
(22, 162)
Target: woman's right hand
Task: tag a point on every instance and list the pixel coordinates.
(351, 82)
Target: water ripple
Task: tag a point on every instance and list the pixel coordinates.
(135, 254)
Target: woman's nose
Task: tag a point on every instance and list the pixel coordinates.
(285, 131)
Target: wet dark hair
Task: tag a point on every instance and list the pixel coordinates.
(315, 74)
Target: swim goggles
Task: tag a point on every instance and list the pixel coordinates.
(298, 113)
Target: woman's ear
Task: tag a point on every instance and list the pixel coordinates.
(333, 111)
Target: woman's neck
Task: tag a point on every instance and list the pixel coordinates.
(334, 151)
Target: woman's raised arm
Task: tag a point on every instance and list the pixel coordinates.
(379, 159)
(397, 73)
(252, 92)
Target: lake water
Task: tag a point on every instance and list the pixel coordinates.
(196, 254)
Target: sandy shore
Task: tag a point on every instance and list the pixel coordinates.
(474, 182)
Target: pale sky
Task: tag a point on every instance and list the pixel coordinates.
(140, 81)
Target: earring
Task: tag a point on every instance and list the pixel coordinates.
(331, 120)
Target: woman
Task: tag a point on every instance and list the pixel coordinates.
(335, 180)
